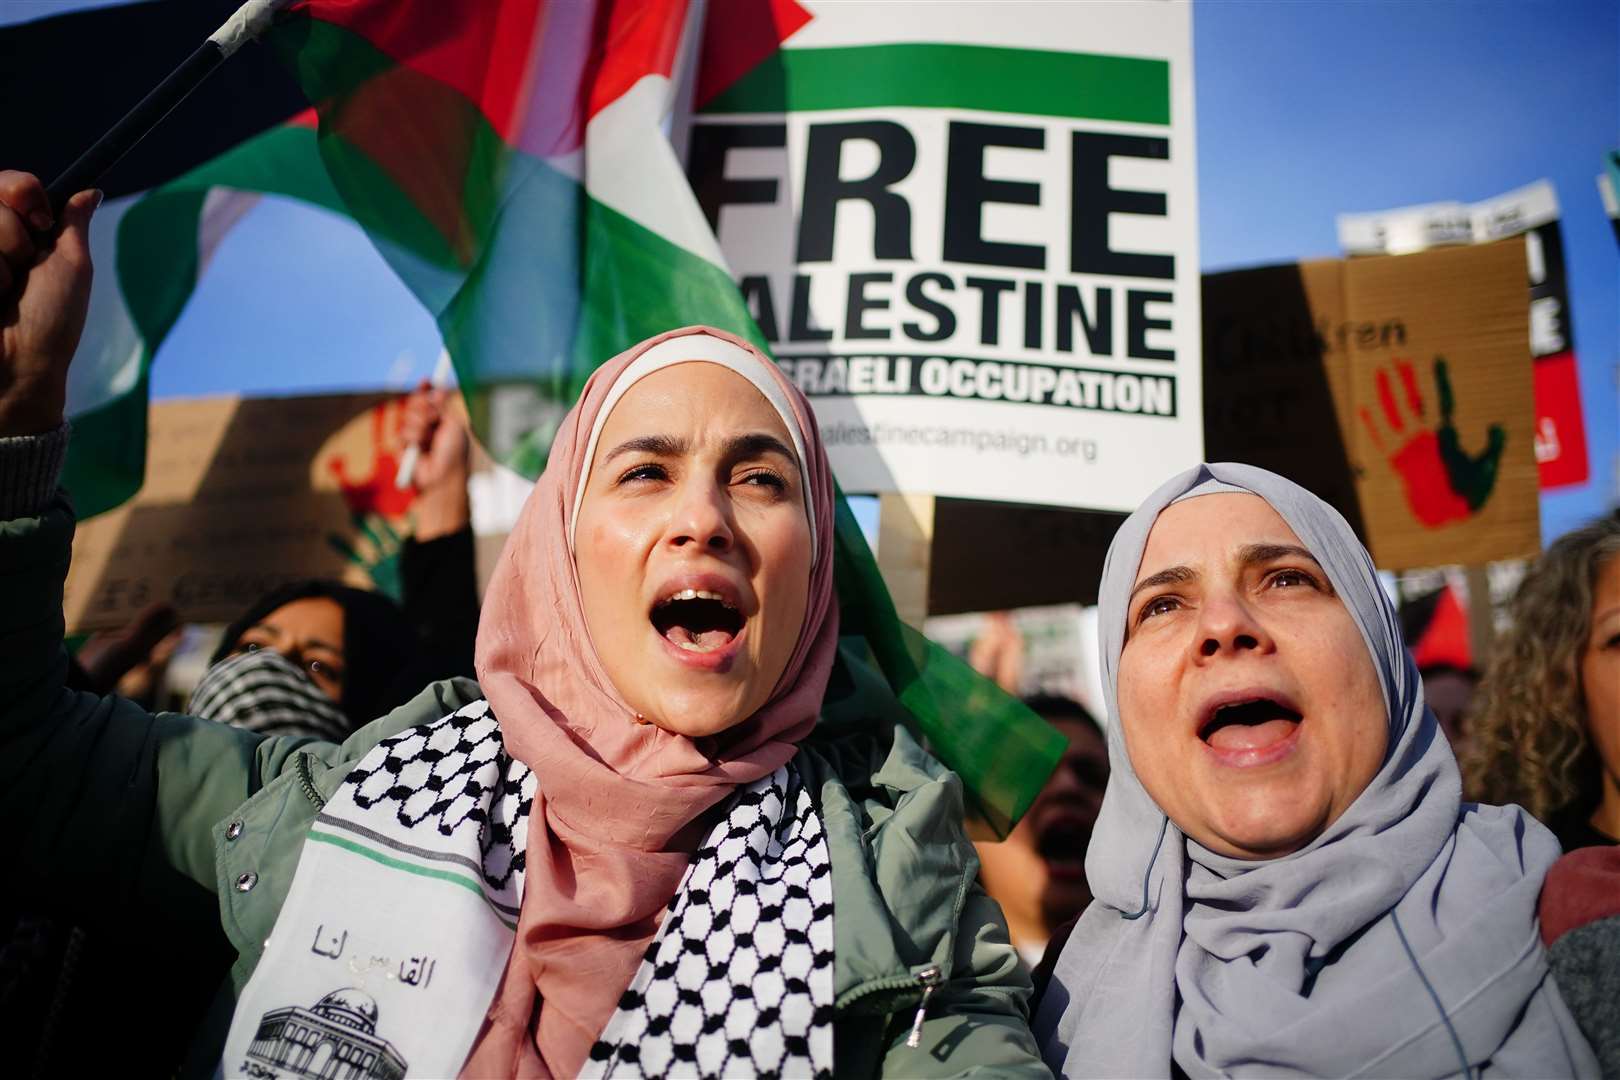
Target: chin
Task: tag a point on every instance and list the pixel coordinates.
(698, 715)
(1255, 834)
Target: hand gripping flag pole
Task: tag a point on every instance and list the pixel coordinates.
(249, 21)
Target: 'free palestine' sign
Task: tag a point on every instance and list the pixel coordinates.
(974, 251)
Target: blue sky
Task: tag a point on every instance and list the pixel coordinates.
(1305, 110)
(1310, 109)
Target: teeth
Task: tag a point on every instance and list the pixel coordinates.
(694, 594)
(692, 646)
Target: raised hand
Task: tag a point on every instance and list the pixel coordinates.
(142, 649)
(1443, 483)
(430, 424)
(44, 297)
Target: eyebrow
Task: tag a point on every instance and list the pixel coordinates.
(657, 445)
(1174, 575)
(1248, 555)
(314, 643)
(754, 444)
(1263, 553)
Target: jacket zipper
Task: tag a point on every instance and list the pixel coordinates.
(929, 977)
(307, 782)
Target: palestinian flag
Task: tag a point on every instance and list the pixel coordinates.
(44, 63)
(509, 159)
(512, 162)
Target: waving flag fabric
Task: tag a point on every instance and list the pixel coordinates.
(511, 161)
(251, 95)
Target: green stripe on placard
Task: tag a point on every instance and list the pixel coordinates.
(1033, 82)
(411, 868)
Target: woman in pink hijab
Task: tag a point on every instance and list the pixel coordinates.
(641, 844)
(706, 889)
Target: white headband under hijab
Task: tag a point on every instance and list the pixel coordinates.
(689, 348)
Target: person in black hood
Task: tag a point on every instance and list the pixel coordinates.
(321, 658)
(312, 657)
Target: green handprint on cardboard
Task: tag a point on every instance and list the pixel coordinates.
(382, 563)
(1443, 483)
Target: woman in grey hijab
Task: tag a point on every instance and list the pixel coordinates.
(1287, 881)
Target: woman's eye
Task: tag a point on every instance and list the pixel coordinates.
(765, 478)
(644, 472)
(1159, 605)
(1292, 578)
(250, 646)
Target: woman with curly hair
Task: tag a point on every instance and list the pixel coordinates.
(1546, 721)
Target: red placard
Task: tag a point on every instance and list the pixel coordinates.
(1560, 431)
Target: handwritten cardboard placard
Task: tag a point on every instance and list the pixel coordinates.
(243, 495)
(1327, 372)
(1399, 388)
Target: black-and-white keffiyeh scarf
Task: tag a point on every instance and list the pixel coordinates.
(402, 912)
(265, 692)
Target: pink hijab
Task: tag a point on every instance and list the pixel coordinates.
(617, 812)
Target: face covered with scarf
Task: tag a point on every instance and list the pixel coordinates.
(1286, 879)
(311, 658)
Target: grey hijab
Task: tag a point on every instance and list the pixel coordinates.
(1400, 942)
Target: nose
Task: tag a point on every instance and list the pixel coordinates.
(1227, 625)
(702, 517)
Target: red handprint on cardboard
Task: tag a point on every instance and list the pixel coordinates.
(375, 492)
(366, 480)
(1443, 483)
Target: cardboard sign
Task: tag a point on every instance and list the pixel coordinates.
(243, 495)
(1304, 364)
(970, 239)
(1399, 388)
(1054, 654)
(1531, 211)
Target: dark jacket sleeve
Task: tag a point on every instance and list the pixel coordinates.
(440, 583)
(104, 800)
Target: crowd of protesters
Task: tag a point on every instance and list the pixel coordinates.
(1257, 858)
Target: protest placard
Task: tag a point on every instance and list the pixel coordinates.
(1054, 653)
(242, 495)
(971, 240)
(1530, 211)
(1399, 388)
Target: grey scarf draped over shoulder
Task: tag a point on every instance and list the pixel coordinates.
(1401, 942)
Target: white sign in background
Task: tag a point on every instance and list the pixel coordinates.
(999, 354)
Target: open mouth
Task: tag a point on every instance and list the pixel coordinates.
(1249, 725)
(697, 620)
(1062, 844)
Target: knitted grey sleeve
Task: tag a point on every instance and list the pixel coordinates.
(1585, 963)
(29, 468)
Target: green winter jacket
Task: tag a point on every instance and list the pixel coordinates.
(111, 802)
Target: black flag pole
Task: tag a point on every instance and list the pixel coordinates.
(249, 21)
